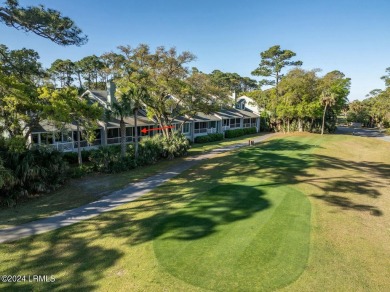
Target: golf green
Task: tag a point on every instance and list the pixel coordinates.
(242, 235)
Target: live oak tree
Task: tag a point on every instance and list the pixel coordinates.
(358, 111)
(64, 106)
(334, 88)
(272, 62)
(376, 106)
(233, 81)
(172, 89)
(45, 22)
(20, 76)
(298, 97)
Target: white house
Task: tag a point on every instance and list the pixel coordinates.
(245, 114)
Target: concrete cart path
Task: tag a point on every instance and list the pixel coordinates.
(115, 199)
(364, 132)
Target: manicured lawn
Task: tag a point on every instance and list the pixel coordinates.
(90, 188)
(300, 213)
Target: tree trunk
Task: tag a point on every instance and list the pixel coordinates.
(123, 138)
(136, 134)
(323, 119)
(300, 128)
(311, 125)
(80, 159)
(79, 77)
(288, 125)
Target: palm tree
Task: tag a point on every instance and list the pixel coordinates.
(137, 95)
(122, 108)
(328, 99)
(129, 102)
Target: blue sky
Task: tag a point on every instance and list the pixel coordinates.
(352, 36)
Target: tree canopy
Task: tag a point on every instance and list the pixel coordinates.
(272, 62)
(45, 22)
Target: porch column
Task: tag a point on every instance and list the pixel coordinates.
(104, 135)
(192, 129)
(258, 124)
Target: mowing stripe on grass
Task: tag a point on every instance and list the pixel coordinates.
(258, 238)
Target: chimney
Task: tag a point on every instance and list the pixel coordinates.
(234, 98)
(111, 92)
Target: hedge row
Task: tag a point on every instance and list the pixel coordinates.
(209, 138)
(26, 172)
(240, 132)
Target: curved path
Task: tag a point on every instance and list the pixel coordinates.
(364, 132)
(111, 201)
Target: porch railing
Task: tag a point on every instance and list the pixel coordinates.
(234, 126)
(198, 131)
(129, 139)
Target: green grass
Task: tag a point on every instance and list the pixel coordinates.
(78, 192)
(300, 213)
(237, 236)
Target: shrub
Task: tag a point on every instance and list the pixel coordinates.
(70, 157)
(73, 158)
(234, 133)
(175, 146)
(33, 171)
(249, 131)
(209, 138)
(105, 158)
(79, 171)
(150, 150)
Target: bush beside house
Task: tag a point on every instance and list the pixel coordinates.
(209, 138)
(240, 132)
(28, 172)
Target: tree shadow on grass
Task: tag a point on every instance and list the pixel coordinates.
(347, 204)
(71, 260)
(294, 166)
(197, 216)
(188, 208)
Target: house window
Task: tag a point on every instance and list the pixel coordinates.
(129, 132)
(57, 136)
(35, 138)
(253, 120)
(186, 128)
(213, 124)
(67, 136)
(46, 138)
(112, 133)
(226, 122)
(200, 125)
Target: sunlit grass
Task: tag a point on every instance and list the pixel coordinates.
(78, 192)
(241, 221)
